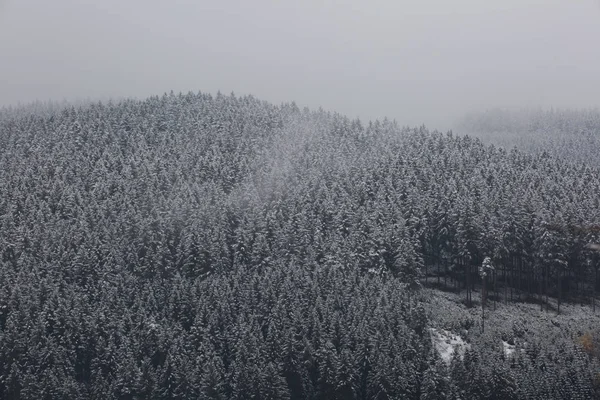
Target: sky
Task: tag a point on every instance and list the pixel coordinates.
(416, 61)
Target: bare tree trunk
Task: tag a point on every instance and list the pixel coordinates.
(541, 298)
(495, 290)
(530, 282)
(505, 286)
(467, 286)
(576, 276)
(512, 280)
(559, 290)
(466, 269)
(483, 306)
(519, 277)
(471, 269)
(470, 278)
(546, 285)
(438, 271)
(445, 274)
(594, 290)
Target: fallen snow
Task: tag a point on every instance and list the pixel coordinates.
(447, 343)
(508, 348)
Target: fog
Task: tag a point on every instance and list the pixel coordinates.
(418, 61)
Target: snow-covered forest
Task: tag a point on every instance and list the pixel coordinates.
(212, 246)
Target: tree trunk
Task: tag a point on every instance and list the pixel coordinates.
(464, 268)
(520, 277)
(471, 270)
(505, 285)
(559, 290)
(438, 271)
(495, 290)
(445, 274)
(546, 287)
(483, 289)
(541, 298)
(576, 286)
(467, 286)
(470, 289)
(594, 291)
(530, 282)
(512, 280)
(483, 306)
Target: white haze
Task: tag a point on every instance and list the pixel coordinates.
(418, 61)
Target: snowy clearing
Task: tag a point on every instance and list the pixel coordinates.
(447, 343)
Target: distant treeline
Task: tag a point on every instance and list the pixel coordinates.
(573, 135)
(198, 246)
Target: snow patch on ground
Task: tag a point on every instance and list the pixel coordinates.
(508, 348)
(447, 343)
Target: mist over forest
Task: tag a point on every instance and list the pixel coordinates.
(417, 61)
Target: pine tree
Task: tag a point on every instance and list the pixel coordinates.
(434, 385)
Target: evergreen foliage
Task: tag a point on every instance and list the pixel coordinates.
(198, 246)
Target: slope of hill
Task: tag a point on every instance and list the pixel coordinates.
(523, 344)
(192, 245)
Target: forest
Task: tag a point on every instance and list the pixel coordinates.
(193, 245)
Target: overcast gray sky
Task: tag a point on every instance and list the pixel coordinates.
(413, 60)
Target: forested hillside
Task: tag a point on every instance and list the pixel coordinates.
(197, 246)
(573, 135)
